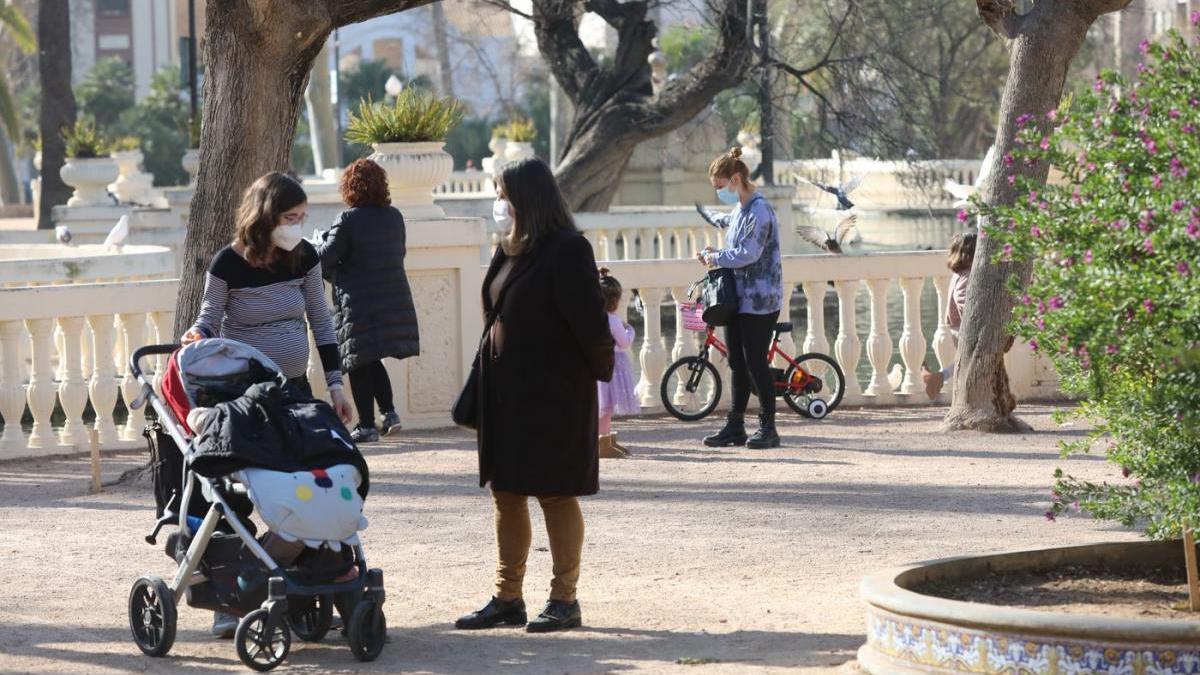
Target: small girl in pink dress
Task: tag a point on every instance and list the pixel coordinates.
(616, 396)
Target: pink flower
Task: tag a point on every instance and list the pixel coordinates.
(1012, 180)
(1118, 224)
(1189, 129)
(1050, 516)
(1087, 256)
(1098, 85)
(1173, 113)
(1144, 47)
(1148, 246)
(1007, 159)
(1178, 172)
(1024, 119)
(1045, 144)
(1148, 304)
(1193, 229)
(1033, 344)
(1035, 232)
(962, 216)
(1177, 206)
(1195, 18)
(1151, 146)
(1033, 197)
(1007, 250)
(1156, 181)
(1052, 115)
(1091, 167)
(1183, 269)
(1110, 349)
(1057, 302)
(1076, 197)
(1026, 300)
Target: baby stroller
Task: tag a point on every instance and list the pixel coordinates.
(255, 432)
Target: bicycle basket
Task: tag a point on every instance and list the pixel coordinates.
(693, 316)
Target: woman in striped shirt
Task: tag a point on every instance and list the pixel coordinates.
(260, 288)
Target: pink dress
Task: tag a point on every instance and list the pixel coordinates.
(616, 396)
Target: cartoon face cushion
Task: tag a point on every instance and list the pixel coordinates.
(317, 507)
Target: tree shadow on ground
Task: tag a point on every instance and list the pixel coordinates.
(439, 648)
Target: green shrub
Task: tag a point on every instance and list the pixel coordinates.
(84, 141)
(521, 130)
(126, 143)
(1115, 295)
(415, 117)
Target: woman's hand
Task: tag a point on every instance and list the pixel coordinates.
(702, 256)
(191, 336)
(341, 406)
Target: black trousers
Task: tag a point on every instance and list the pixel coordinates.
(370, 385)
(749, 341)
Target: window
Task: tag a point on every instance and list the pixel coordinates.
(112, 8)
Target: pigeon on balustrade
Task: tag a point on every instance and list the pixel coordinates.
(62, 233)
(117, 236)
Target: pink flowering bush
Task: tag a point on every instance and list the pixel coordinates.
(1115, 295)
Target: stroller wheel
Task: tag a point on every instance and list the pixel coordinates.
(255, 648)
(310, 618)
(367, 630)
(152, 615)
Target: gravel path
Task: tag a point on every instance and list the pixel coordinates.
(745, 561)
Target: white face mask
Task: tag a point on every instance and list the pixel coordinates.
(502, 215)
(286, 237)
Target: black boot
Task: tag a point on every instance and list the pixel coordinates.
(765, 437)
(733, 433)
(495, 613)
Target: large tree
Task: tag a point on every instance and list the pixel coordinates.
(257, 56)
(58, 101)
(1044, 41)
(615, 105)
(14, 32)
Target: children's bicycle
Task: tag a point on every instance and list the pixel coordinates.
(812, 384)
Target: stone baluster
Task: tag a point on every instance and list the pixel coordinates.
(879, 342)
(685, 340)
(60, 347)
(164, 326)
(86, 357)
(133, 332)
(814, 337)
(847, 346)
(662, 237)
(12, 389)
(606, 243)
(41, 392)
(654, 352)
(787, 341)
(72, 388)
(943, 341)
(104, 378)
(629, 239)
(912, 339)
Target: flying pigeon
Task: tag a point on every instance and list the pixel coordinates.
(962, 193)
(824, 240)
(117, 236)
(839, 191)
(62, 233)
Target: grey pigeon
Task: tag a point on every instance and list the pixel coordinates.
(824, 240)
(62, 233)
(840, 191)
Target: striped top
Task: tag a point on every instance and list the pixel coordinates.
(266, 308)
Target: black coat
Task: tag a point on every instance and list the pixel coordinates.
(362, 255)
(538, 370)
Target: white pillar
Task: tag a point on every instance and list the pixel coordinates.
(72, 389)
(847, 346)
(41, 392)
(912, 339)
(12, 389)
(879, 342)
(943, 341)
(104, 378)
(814, 336)
(133, 327)
(654, 353)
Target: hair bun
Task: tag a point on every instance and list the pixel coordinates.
(604, 271)
(735, 153)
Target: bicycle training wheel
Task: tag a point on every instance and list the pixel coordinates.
(815, 377)
(691, 388)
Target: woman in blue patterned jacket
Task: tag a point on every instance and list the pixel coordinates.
(752, 252)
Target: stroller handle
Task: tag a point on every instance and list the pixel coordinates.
(136, 369)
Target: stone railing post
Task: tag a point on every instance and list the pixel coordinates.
(654, 353)
(848, 346)
(943, 341)
(12, 390)
(879, 342)
(104, 377)
(41, 392)
(814, 335)
(72, 390)
(912, 339)
(133, 327)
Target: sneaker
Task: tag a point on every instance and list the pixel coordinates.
(224, 625)
(389, 423)
(364, 435)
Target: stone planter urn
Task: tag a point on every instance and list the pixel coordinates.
(496, 145)
(191, 164)
(515, 151)
(90, 178)
(414, 170)
(133, 185)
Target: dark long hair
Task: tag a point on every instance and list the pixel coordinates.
(538, 207)
(262, 205)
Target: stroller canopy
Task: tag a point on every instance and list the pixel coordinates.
(200, 372)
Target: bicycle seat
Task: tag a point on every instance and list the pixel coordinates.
(783, 328)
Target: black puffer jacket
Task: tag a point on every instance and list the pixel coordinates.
(363, 256)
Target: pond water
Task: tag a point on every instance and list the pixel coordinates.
(904, 231)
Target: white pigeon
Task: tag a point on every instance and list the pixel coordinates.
(896, 376)
(117, 236)
(962, 193)
(62, 233)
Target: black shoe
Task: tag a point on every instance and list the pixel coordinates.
(364, 435)
(733, 433)
(558, 615)
(389, 423)
(496, 612)
(765, 437)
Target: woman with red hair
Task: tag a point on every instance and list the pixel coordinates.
(362, 256)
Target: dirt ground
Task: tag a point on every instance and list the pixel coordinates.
(697, 560)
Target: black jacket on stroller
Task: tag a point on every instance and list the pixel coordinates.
(277, 428)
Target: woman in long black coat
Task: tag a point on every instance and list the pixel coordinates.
(547, 346)
(362, 255)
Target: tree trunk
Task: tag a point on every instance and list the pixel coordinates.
(443, 49)
(1044, 42)
(58, 102)
(321, 131)
(10, 189)
(257, 57)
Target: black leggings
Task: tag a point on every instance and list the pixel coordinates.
(749, 341)
(368, 385)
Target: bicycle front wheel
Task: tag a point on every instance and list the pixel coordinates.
(691, 388)
(816, 383)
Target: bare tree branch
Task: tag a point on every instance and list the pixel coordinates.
(344, 12)
(1001, 16)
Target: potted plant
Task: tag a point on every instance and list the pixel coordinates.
(131, 185)
(88, 168)
(521, 133)
(191, 157)
(409, 137)
(496, 145)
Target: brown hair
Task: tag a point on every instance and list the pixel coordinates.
(611, 290)
(729, 165)
(538, 207)
(262, 205)
(962, 252)
(365, 183)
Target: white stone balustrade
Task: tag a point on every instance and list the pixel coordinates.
(886, 184)
(467, 183)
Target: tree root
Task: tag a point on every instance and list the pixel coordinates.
(986, 421)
